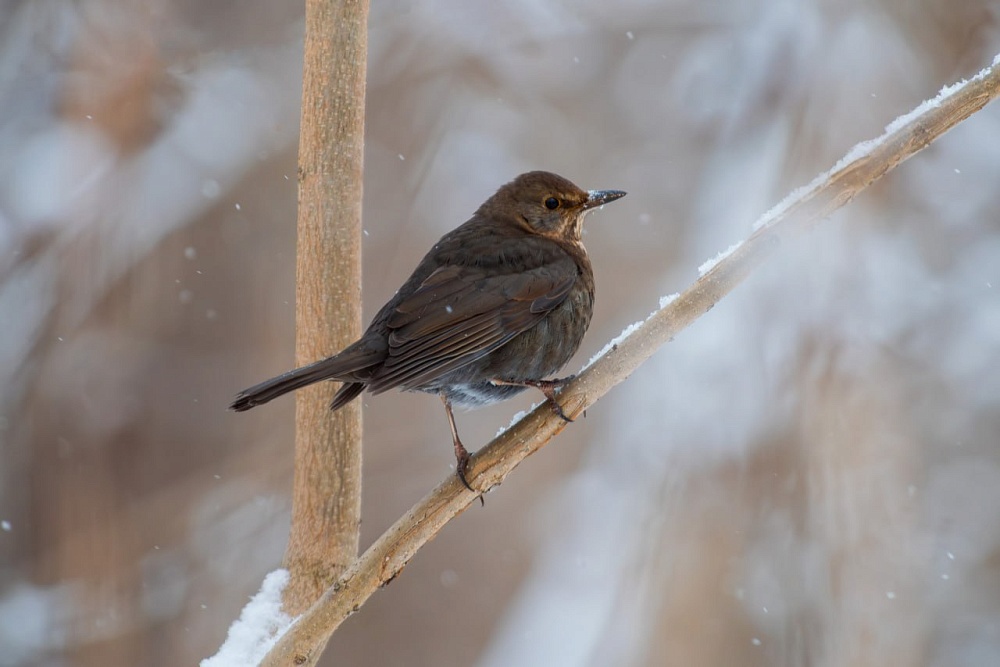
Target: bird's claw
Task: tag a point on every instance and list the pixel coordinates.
(548, 389)
(556, 408)
(460, 465)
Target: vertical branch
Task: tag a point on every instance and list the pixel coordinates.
(326, 495)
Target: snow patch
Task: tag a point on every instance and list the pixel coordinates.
(261, 624)
(709, 264)
(866, 147)
(516, 418)
(613, 343)
(667, 300)
(630, 329)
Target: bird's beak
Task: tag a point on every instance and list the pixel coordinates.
(597, 198)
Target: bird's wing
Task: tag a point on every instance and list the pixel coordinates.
(460, 314)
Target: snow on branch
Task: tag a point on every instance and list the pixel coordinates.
(261, 624)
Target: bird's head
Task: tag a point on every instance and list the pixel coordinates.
(547, 204)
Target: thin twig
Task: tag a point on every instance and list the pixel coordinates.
(385, 559)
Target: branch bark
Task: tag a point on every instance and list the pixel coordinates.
(326, 494)
(385, 559)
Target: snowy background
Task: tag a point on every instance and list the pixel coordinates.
(809, 475)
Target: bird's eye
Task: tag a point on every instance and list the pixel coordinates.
(551, 203)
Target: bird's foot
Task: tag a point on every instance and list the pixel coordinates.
(461, 453)
(547, 387)
(462, 457)
(461, 463)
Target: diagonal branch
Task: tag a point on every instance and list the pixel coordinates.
(805, 207)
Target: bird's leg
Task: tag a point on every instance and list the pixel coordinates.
(461, 453)
(547, 387)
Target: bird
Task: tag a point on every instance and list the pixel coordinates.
(496, 306)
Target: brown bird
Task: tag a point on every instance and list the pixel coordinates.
(497, 305)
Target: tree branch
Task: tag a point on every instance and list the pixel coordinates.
(326, 494)
(863, 165)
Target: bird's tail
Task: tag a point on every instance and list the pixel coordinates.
(338, 367)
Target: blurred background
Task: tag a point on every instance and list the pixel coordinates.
(809, 475)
